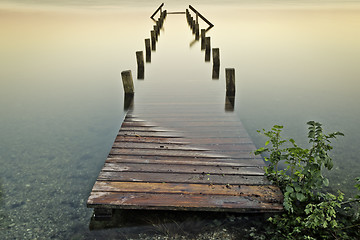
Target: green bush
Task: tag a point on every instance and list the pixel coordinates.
(310, 213)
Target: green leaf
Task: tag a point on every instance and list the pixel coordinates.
(326, 182)
(289, 189)
(267, 142)
(301, 197)
(310, 123)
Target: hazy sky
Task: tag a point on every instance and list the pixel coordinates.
(157, 2)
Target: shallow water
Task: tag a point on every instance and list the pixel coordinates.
(61, 96)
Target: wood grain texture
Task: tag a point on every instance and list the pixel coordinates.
(178, 162)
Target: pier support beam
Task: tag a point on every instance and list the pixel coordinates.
(230, 81)
(203, 31)
(207, 49)
(216, 56)
(128, 85)
(148, 50)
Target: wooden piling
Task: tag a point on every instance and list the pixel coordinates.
(141, 73)
(197, 31)
(230, 81)
(216, 72)
(103, 214)
(127, 82)
(229, 103)
(201, 16)
(216, 56)
(159, 9)
(156, 30)
(140, 58)
(158, 26)
(148, 50)
(203, 31)
(153, 40)
(207, 49)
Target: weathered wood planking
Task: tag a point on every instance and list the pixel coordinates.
(183, 162)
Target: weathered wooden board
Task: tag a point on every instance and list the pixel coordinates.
(256, 191)
(182, 178)
(184, 162)
(180, 202)
(172, 146)
(187, 161)
(156, 168)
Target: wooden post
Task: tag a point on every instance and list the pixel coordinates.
(207, 49)
(230, 81)
(229, 103)
(203, 31)
(159, 9)
(153, 40)
(201, 16)
(156, 30)
(148, 50)
(102, 213)
(197, 31)
(216, 72)
(140, 72)
(140, 64)
(127, 82)
(216, 56)
(140, 58)
(158, 26)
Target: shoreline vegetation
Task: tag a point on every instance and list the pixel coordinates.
(310, 211)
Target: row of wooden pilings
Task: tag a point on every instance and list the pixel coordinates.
(206, 45)
(150, 45)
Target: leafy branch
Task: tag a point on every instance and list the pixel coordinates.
(309, 212)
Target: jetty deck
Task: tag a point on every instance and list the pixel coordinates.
(179, 150)
(181, 160)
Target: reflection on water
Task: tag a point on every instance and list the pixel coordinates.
(61, 97)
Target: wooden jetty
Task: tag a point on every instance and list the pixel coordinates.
(169, 156)
(183, 161)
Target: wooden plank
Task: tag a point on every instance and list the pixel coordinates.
(176, 117)
(179, 202)
(185, 124)
(167, 152)
(149, 134)
(180, 153)
(183, 178)
(172, 146)
(144, 129)
(156, 168)
(187, 140)
(266, 193)
(169, 146)
(227, 131)
(187, 161)
(150, 139)
(153, 166)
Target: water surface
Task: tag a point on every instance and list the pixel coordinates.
(61, 97)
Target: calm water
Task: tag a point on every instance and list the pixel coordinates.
(61, 97)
